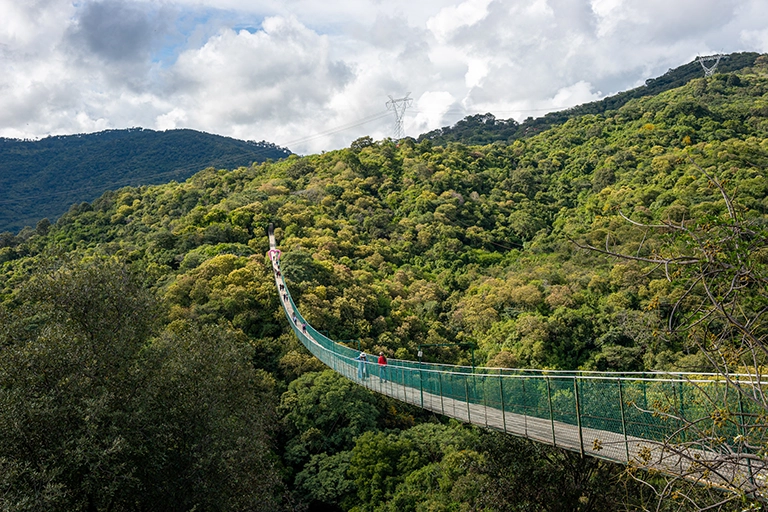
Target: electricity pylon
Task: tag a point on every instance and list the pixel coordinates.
(398, 106)
(709, 71)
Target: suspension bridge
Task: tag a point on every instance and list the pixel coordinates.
(693, 425)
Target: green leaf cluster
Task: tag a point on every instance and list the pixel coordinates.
(100, 409)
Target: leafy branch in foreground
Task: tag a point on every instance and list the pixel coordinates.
(718, 267)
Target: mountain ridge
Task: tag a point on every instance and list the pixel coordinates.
(486, 128)
(42, 178)
(35, 186)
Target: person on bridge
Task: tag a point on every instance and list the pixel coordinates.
(362, 370)
(382, 366)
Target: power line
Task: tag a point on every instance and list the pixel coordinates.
(492, 110)
(337, 129)
(399, 120)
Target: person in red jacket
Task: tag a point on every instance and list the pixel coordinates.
(382, 366)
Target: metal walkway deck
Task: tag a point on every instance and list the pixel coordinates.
(640, 418)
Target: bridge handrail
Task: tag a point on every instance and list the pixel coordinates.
(622, 409)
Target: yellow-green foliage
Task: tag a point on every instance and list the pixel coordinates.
(404, 244)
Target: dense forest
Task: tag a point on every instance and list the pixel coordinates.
(145, 363)
(42, 178)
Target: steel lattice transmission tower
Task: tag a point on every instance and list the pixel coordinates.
(709, 71)
(398, 106)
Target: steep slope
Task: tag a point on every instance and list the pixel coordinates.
(43, 178)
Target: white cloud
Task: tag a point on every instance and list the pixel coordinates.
(477, 69)
(288, 70)
(25, 22)
(576, 94)
(174, 119)
(431, 108)
(540, 9)
(451, 18)
(757, 39)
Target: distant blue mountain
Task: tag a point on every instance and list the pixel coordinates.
(42, 178)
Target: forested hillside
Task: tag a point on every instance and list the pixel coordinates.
(486, 129)
(42, 178)
(144, 353)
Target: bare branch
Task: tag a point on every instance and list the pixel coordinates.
(726, 197)
(722, 306)
(663, 261)
(642, 225)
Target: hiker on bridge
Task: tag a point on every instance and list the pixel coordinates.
(362, 370)
(382, 366)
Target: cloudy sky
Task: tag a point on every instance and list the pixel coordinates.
(314, 75)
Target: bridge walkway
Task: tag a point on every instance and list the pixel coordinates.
(640, 419)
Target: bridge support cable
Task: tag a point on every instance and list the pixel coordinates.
(578, 415)
(623, 418)
(592, 413)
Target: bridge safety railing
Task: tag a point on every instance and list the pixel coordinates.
(598, 406)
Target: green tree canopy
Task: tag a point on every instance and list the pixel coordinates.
(99, 412)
